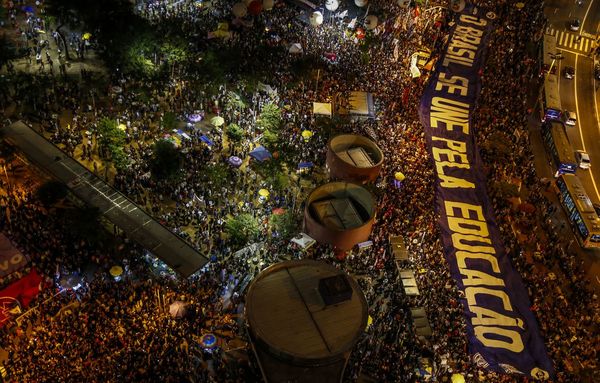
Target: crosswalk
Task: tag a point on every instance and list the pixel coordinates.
(3, 373)
(572, 41)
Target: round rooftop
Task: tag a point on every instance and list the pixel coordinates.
(287, 315)
(357, 151)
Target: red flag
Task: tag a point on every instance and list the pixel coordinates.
(417, 11)
(18, 295)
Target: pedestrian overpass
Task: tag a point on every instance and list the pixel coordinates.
(116, 207)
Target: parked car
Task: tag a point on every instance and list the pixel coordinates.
(569, 72)
(569, 118)
(583, 159)
(574, 25)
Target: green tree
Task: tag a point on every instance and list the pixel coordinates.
(109, 133)
(242, 229)
(8, 50)
(234, 101)
(138, 56)
(169, 121)
(270, 117)
(217, 175)
(51, 192)
(166, 160)
(284, 224)
(174, 52)
(279, 181)
(118, 157)
(270, 139)
(234, 132)
(111, 140)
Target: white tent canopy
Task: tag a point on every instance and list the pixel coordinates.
(178, 309)
(303, 240)
(358, 103)
(295, 48)
(322, 108)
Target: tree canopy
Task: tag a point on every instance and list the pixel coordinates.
(241, 229)
(166, 160)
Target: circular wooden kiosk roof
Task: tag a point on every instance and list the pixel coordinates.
(288, 318)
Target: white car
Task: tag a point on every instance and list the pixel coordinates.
(583, 159)
(570, 118)
(574, 25)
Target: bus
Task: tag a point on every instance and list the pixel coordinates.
(550, 99)
(558, 145)
(549, 54)
(580, 210)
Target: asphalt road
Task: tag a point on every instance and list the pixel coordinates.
(582, 94)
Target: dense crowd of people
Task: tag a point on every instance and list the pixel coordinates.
(122, 330)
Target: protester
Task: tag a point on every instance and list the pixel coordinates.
(122, 330)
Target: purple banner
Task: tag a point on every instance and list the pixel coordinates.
(503, 333)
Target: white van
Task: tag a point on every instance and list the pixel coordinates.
(569, 118)
(583, 159)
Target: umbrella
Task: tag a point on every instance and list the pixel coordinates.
(305, 164)
(263, 193)
(260, 154)
(316, 19)
(208, 341)
(239, 10)
(122, 127)
(278, 211)
(361, 3)
(206, 140)
(307, 134)
(360, 33)
(399, 176)
(458, 378)
(28, 9)
(195, 117)
(371, 22)
(332, 5)
(115, 271)
(86, 36)
(235, 161)
(177, 309)
(217, 121)
(255, 7)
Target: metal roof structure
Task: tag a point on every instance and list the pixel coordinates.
(116, 207)
(288, 316)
